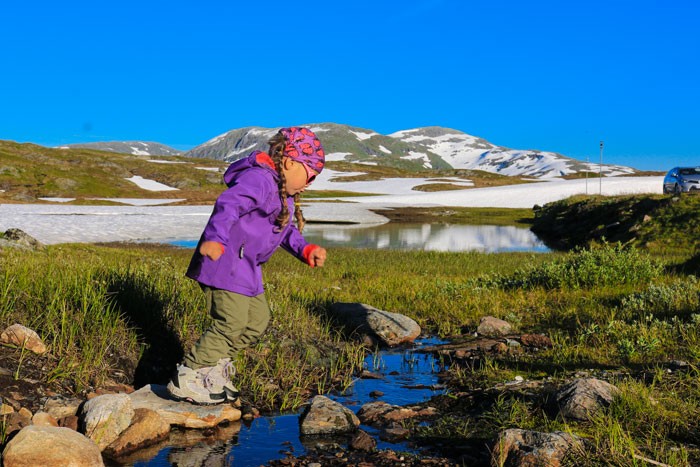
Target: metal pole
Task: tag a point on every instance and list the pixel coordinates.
(600, 168)
(588, 167)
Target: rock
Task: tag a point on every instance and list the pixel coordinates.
(390, 328)
(70, 421)
(156, 398)
(394, 433)
(6, 409)
(38, 445)
(60, 407)
(147, 428)
(106, 417)
(379, 413)
(584, 397)
(326, 417)
(16, 421)
(19, 239)
(375, 394)
(516, 447)
(499, 347)
(536, 340)
(23, 337)
(490, 326)
(363, 442)
(43, 419)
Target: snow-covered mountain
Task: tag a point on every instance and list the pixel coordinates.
(419, 148)
(137, 148)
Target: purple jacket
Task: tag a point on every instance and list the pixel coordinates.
(243, 221)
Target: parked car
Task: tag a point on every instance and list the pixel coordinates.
(682, 180)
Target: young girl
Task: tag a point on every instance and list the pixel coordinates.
(250, 220)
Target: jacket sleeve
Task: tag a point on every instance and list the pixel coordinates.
(295, 243)
(246, 194)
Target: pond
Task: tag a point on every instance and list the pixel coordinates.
(428, 237)
(406, 377)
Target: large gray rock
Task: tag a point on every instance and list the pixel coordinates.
(106, 417)
(16, 238)
(38, 445)
(584, 397)
(327, 417)
(155, 397)
(524, 448)
(491, 326)
(388, 328)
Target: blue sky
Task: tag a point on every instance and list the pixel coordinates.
(549, 75)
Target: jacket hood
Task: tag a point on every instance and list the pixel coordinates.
(255, 159)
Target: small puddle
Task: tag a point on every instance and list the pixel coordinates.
(407, 377)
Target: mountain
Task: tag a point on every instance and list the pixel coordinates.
(137, 148)
(416, 149)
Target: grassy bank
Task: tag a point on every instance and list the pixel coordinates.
(111, 312)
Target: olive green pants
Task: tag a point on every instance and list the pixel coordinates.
(239, 321)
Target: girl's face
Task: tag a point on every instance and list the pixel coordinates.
(298, 175)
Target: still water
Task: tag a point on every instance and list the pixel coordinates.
(428, 237)
(406, 377)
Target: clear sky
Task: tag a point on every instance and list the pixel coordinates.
(551, 75)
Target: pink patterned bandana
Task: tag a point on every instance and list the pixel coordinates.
(305, 147)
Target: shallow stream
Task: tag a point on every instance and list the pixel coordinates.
(408, 377)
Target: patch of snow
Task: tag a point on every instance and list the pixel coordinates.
(138, 152)
(384, 150)
(208, 169)
(366, 163)
(337, 156)
(141, 201)
(363, 136)
(158, 161)
(150, 185)
(56, 200)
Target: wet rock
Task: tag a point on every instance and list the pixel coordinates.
(584, 397)
(516, 447)
(147, 428)
(390, 328)
(156, 398)
(375, 394)
(366, 374)
(22, 336)
(106, 417)
(16, 238)
(394, 433)
(37, 445)
(490, 326)
(536, 340)
(363, 442)
(326, 417)
(379, 413)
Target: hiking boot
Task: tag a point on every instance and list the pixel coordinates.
(219, 377)
(194, 386)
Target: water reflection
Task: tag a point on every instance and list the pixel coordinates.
(429, 237)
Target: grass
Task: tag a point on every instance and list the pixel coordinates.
(616, 311)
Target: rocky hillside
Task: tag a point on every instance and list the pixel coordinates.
(417, 149)
(137, 148)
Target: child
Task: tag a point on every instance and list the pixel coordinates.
(250, 220)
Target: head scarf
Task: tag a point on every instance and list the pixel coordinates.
(305, 147)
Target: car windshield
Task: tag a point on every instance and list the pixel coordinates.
(690, 171)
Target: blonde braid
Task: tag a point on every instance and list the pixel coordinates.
(277, 144)
(298, 214)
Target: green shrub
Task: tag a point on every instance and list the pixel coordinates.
(604, 265)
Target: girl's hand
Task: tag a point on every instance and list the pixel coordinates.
(212, 250)
(317, 257)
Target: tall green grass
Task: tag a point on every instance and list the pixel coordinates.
(108, 309)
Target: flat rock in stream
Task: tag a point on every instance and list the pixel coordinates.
(155, 397)
(381, 326)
